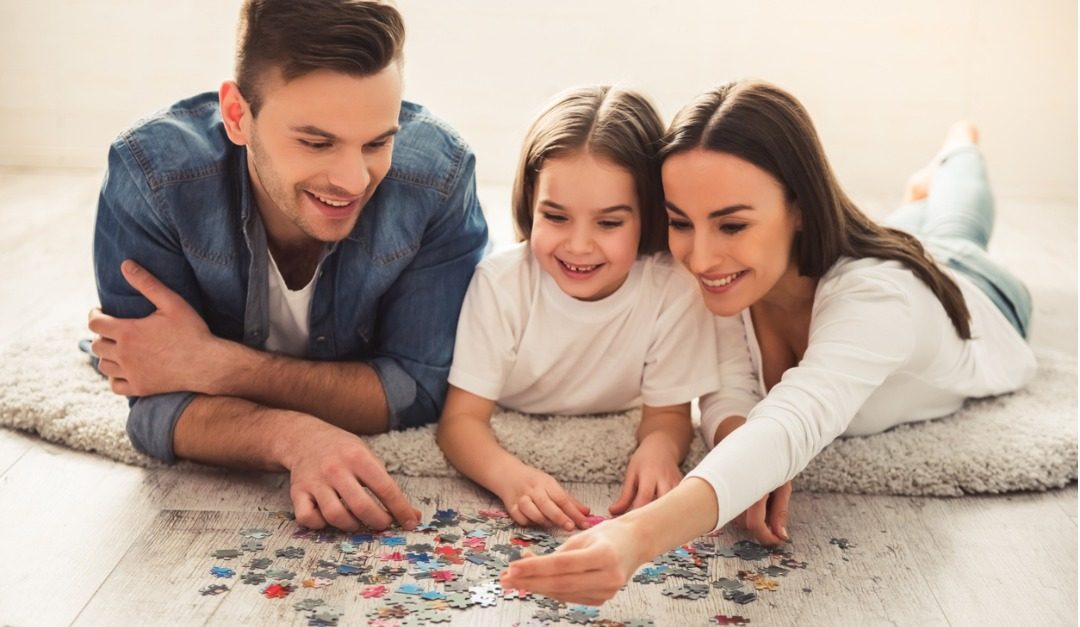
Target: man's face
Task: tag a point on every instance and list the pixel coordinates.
(318, 148)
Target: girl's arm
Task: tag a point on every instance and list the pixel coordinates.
(531, 496)
(663, 437)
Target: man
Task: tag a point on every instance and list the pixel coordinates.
(281, 265)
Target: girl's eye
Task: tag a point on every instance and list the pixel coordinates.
(379, 144)
(553, 217)
(732, 229)
(678, 225)
(315, 145)
(610, 224)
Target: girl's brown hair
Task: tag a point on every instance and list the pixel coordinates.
(766, 126)
(617, 124)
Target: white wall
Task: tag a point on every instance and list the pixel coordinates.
(882, 80)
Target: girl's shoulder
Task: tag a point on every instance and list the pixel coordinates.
(661, 274)
(508, 261)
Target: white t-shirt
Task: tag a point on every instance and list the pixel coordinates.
(289, 312)
(882, 352)
(526, 344)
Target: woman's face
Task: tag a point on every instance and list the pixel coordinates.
(731, 225)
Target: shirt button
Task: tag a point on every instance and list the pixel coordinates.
(321, 339)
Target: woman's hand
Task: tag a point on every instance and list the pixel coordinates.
(589, 568)
(767, 519)
(533, 497)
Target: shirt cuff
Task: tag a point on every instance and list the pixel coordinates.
(715, 409)
(152, 422)
(400, 390)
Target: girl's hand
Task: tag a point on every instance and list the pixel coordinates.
(536, 498)
(652, 472)
(767, 519)
(588, 569)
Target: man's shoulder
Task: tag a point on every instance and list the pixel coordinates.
(185, 141)
(427, 151)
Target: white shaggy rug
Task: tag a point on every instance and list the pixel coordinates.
(1022, 441)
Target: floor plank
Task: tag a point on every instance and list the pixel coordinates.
(13, 446)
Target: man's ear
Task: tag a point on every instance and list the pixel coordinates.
(235, 113)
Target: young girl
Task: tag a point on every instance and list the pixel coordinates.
(852, 327)
(581, 317)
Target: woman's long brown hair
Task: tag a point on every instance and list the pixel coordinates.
(766, 126)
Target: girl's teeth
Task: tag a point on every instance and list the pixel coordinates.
(721, 282)
(574, 268)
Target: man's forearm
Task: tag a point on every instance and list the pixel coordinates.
(234, 432)
(346, 394)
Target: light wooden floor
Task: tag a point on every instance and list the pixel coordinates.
(79, 541)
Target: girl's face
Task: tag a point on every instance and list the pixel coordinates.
(586, 224)
(730, 224)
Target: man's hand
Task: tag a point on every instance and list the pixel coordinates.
(652, 472)
(533, 497)
(588, 569)
(166, 351)
(768, 518)
(329, 469)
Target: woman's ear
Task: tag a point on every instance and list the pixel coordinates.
(235, 113)
(796, 213)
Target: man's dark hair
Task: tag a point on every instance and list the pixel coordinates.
(357, 37)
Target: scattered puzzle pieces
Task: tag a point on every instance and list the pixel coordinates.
(452, 563)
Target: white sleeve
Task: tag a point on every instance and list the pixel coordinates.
(861, 332)
(485, 345)
(738, 391)
(681, 363)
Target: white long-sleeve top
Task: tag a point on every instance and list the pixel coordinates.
(881, 352)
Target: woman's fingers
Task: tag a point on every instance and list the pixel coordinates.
(778, 510)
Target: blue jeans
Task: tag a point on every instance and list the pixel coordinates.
(955, 222)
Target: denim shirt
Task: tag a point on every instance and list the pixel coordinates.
(177, 199)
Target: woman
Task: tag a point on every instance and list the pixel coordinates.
(843, 326)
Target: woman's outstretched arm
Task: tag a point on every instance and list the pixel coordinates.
(592, 566)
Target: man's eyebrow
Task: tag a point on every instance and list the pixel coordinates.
(606, 210)
(719, 213)
(313, 130)
(318, 132)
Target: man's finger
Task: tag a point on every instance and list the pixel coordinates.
(383, 486)
(334, 511)
(103, 347)
(102, 324)
(121, 387)
(149, 286)
(110, 369)
(360, 504)
(307, 514)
